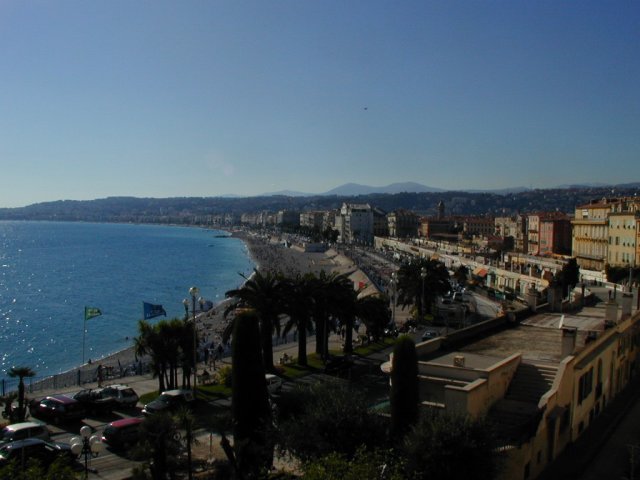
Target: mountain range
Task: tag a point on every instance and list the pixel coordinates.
(188, 210)
(355, 189)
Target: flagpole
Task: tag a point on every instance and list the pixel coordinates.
(84, 333)
(89, 312)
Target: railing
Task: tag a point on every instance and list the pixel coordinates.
(76, 377)
(110, 372)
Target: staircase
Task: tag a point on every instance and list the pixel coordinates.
(516, 416)
(530, 382)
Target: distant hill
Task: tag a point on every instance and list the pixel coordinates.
(286, 193)
(357, 189)
(354, 189)
(502, 191)
(190, 210)
(350, 189)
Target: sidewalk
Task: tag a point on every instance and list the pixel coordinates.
(144, 384)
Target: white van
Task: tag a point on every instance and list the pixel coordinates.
(21, 431)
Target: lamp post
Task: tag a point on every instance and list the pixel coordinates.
(193, 292)
(394, 288)
(86, 444)
(423, 275)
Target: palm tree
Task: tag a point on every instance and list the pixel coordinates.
(21, 373)
(410, 289)
(299, 303)
(263, 292)
(346, 309)
(326, 291)
(150, 342)
(159, 441)
(169, 343)
(176, 338)
(374, 312)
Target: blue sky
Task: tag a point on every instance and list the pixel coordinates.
(207, 98)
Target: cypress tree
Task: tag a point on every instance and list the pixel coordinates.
(404, 387)
(250, 399)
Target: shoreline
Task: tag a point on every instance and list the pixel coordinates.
(266, 254)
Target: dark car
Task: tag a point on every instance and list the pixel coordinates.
(430, 333)
(95, 401)
(169, 401)
(57, 409)
(122, 433)
(35, 448)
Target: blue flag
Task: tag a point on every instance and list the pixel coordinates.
(151, 311)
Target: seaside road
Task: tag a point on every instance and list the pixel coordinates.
(114, 466)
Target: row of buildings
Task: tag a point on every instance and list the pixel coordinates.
(542, 379)
(603, 232)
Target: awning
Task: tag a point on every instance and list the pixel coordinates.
(480, 272)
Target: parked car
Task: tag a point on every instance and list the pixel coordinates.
(35, 448)
(124, 395)
(122, 433)
(274, 383)
(430, 333)
(23, 430)
(94, 401)
(170, 401)
(57, 409)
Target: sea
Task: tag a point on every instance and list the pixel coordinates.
(51, 271)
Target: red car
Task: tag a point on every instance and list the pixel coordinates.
(57, 409)
(122, 433)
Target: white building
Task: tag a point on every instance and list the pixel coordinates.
(356, 223)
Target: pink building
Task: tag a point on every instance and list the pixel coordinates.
(554, 234)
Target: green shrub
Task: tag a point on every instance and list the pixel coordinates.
(223, 376)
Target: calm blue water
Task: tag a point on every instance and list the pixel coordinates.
(49, 271)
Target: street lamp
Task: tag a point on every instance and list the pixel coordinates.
(193, 292)
(86, 444)
(423, 275)
(394, 288)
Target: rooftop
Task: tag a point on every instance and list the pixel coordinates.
(538, 339)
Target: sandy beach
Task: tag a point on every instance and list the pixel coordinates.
(269, 254)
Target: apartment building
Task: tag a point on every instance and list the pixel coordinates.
(402, 224)
(311, 219)
(288, 218)
(554, 234)
(356, 223)
(624, 233)
(480, 226)
(434, 227)
(514, 227)
(591, 237)
(541, 379)
(380, 223)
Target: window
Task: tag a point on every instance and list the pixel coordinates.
(585, 385)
